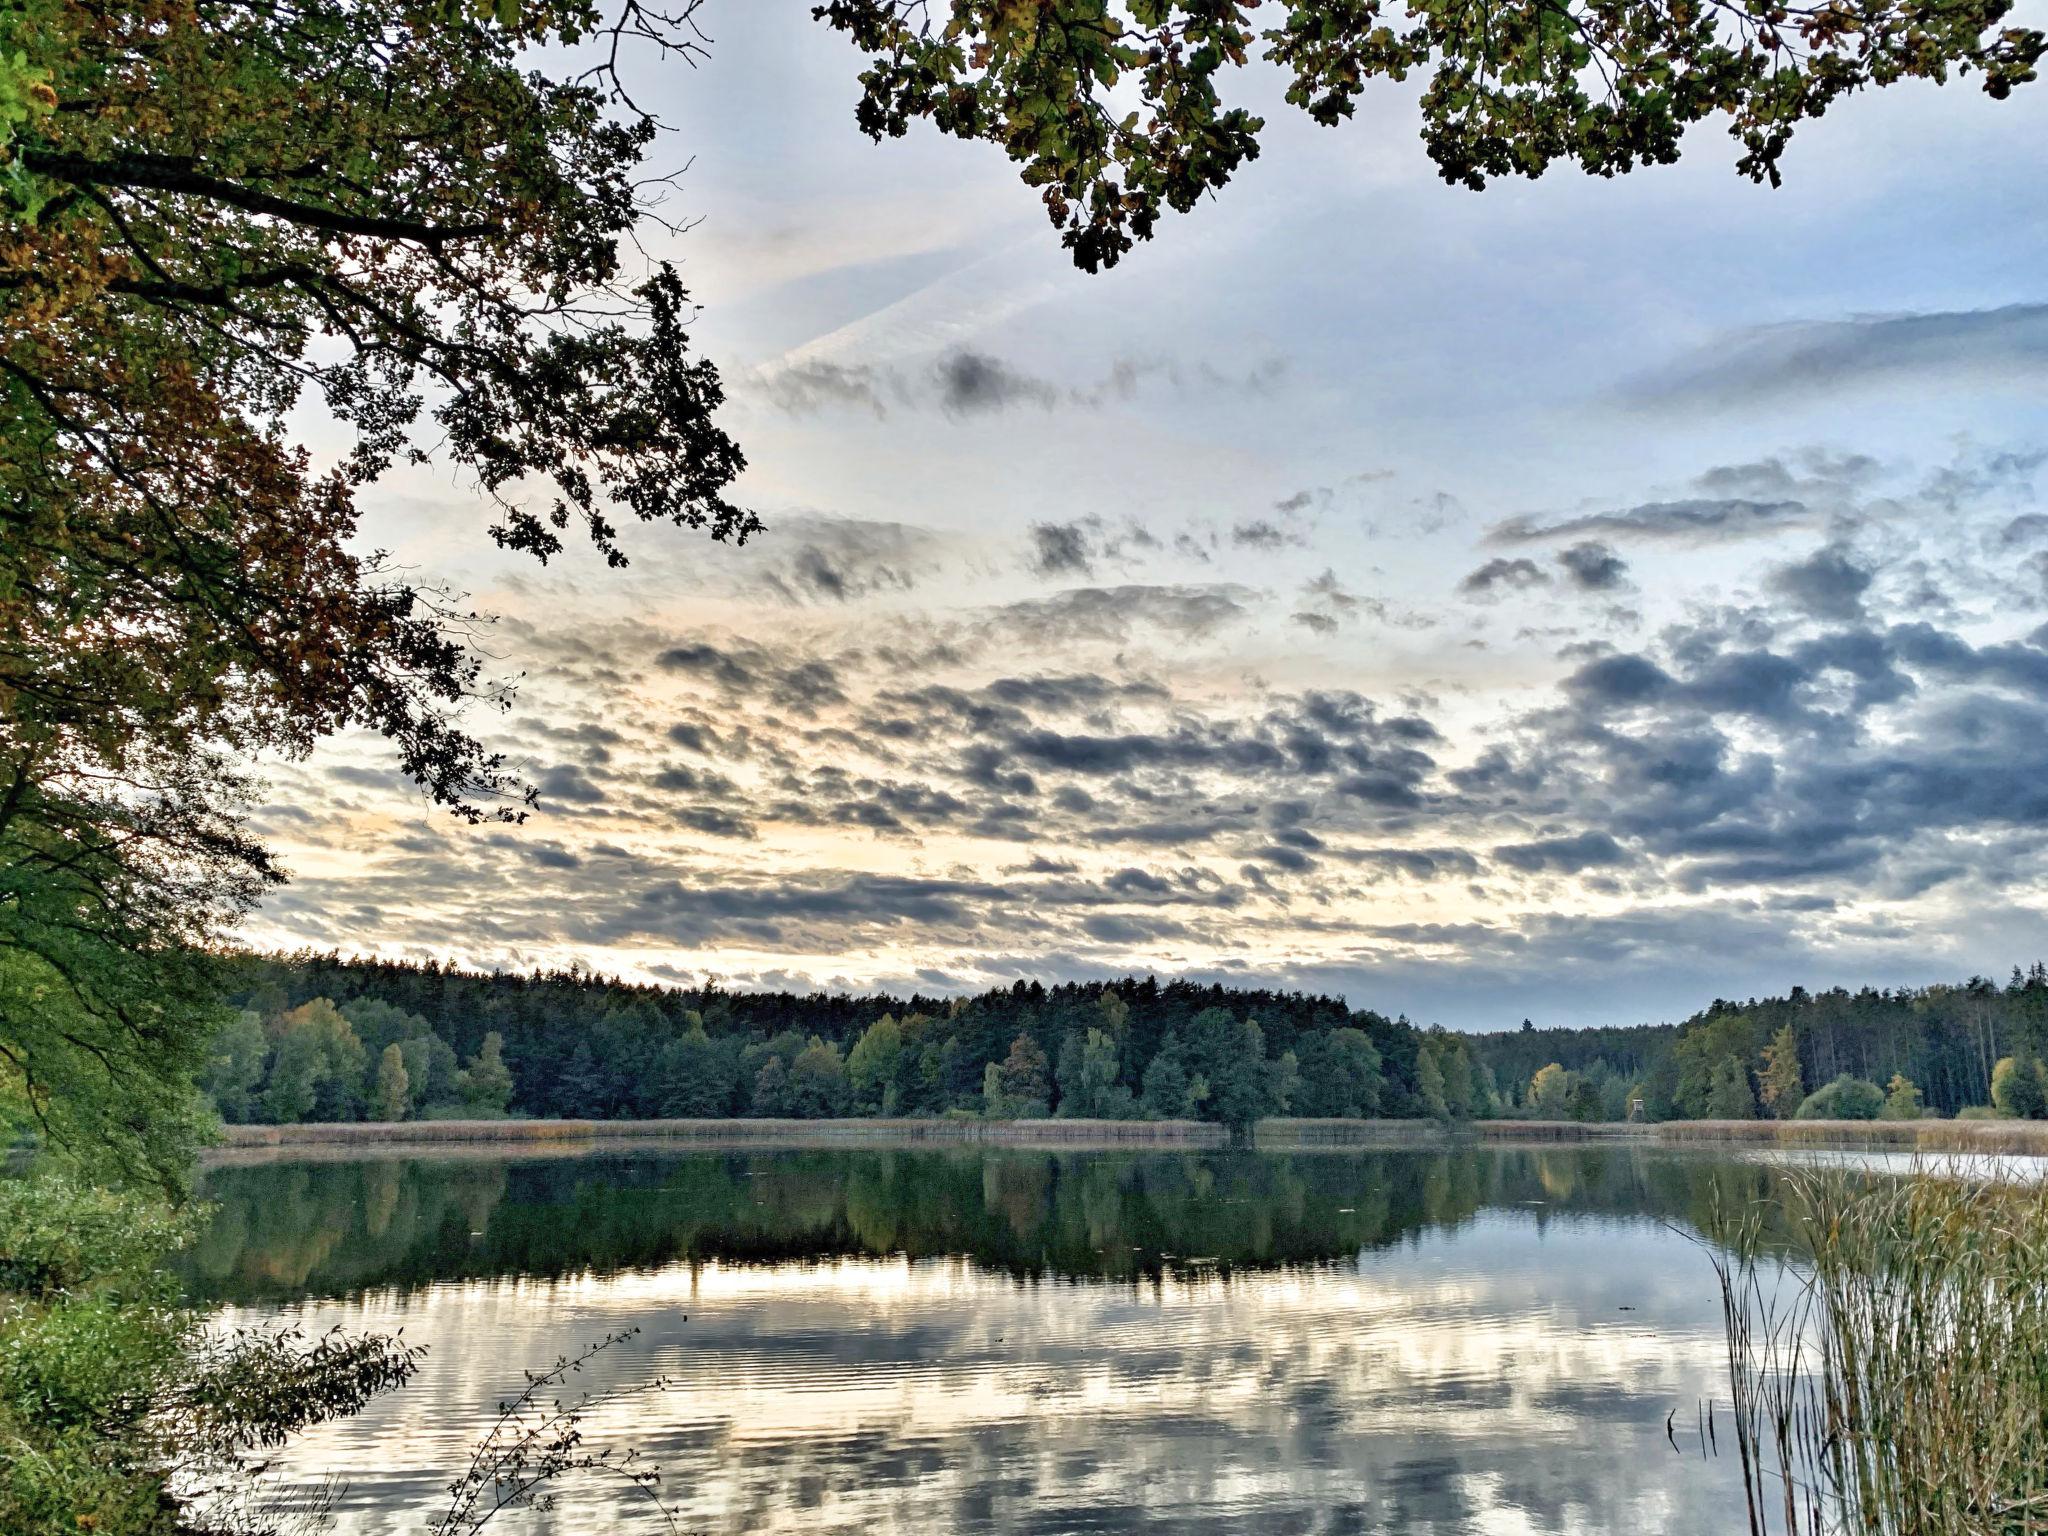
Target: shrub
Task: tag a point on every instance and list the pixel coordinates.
(1846, 1098)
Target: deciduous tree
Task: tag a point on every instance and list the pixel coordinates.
(1117, 109)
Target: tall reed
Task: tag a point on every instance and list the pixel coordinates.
(1888, 1354)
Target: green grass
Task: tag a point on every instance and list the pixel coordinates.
(1888, 1354)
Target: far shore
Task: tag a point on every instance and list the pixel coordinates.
(240, 1142)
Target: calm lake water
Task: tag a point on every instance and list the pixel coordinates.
(977, 1339)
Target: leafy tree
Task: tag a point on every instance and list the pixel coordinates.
(1702, 1049)
(772, 1098)
(317, 1066)
(1781, 1083)
(1586, 1102)
(817, 1081)
(392, 1096)
(586, 1087)
(431, 1072)
(1087, 1078)
(1239, 1078)
(1729, 1096)
(873, 1066)
(1025, 1089)
(1117, 111)
(1901, 1100)
(1846, 1098)
(1429, 1082)
(1551, 1092)
(1454, 1064)
(1340, 1075)
(693, 1077)
(1170, 1091)
(208, 214)
(486, 1082)
(2019, 1087)
(234, 1067)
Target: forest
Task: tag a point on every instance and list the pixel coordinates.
(322, 1038)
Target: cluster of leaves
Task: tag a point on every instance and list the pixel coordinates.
(121, 1413)
(210, 214)
(1115, 109)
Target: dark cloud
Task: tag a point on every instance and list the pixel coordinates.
(1696, 520)
(1995, 346)
(1261, 533)
(842, 560)
(714, 822)
(804, 389)
(974, 383)
(1060, 549)
(1112, 613)
(1594, 567)
(1563, 855)
(568, 784)
(1501, 572)
(1828, 584)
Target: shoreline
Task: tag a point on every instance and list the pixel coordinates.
(529, 1136)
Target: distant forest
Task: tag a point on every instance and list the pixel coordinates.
(320, 1037)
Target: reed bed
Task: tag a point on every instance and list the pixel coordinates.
(830, 1132)
(1890, 1369)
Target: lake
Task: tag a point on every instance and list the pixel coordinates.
(1473, 1339)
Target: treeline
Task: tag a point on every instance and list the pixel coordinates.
(320, 1037)
(1973, 1048)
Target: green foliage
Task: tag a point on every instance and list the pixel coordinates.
(486, 1082)
(392, 1097)
(234, 1067)
(1429, 1082)
(1088, 1084)
(1846, 1098)
(1171, 1092)
(818, 1089)
(111, 1392)
(1117, 111)
(1915, 1328)
(99, 1044)
(1901, 1100)
(1729, 1096)
(1340, 1075)
(1023, 1083)
(2019, 1087)
(1552, 1092)
(1707, 1088)
(874, 1065)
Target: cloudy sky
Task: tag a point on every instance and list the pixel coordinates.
(1580, 599)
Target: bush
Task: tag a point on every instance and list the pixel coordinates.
(111, 1391)
(1846, 1098)
(1976, 1112)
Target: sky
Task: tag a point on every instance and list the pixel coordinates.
(1577, 600)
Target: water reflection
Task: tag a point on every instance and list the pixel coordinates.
(1484, 1340)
